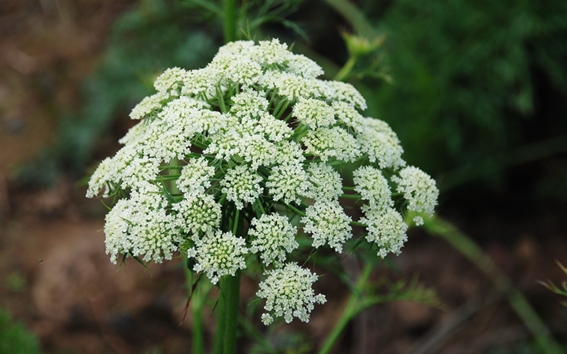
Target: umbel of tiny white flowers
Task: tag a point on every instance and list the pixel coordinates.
(253, 133)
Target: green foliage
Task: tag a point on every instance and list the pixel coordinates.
(251, 14)
(14, 338)
(463, 74)
(556, 289)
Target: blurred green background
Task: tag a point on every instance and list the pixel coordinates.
(475, 90)
(472, 88)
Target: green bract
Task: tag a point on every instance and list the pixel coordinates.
(254, 133)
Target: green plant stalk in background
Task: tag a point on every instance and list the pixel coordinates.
(232, 283)
(229, 20)
(197, 297)
(220, 325)
(355, 17)
(198, 344)
(197, 323)
(556, 289)
(231, 291)
(352, 308)
(518, 302)
(346, 69)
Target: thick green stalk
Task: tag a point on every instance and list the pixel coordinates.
(220, 314)
(232, 285)
(196, 310)
(227, 321)
(351, 309)
(229, 20)
(197, 330)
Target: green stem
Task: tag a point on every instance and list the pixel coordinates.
(356, 223)
(221, 101)
(220, 314)
(295, 210)
(277, 108)
(196, 310)
(231, 290)
(232, 283)
(167, 178)
(235, 222)
(355, 17)
(198, 141)
(516, 299)
(282, 110)
(346, 69)
(299, 131)
(172, 178)
(350, 196)
(351, 309)
(229, 20)
(198, 332)
(198, 344)
(261, 208)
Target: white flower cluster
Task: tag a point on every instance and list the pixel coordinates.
(289, 294)
(323, 182)
(386, 228)
(314, 113)
(327, 222)
(287, 182)
(251, 134)
(373, 187)
(219, 254)
(195, 177)
(419, 190)
(241, 184)
(198, 215)
(272, 238)
(141, 227)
